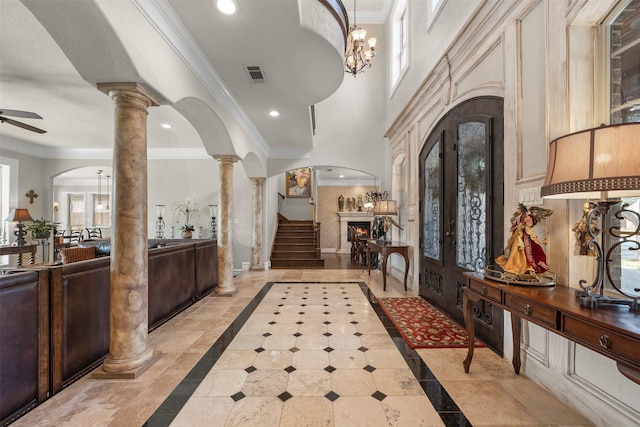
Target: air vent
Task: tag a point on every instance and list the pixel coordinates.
(255, 74)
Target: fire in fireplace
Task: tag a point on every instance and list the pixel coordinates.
(363, 228)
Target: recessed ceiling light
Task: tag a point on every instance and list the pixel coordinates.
(274, 113)
(228, 7)
(341, 176)
(167, 125)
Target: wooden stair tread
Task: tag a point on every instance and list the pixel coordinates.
(295, 246)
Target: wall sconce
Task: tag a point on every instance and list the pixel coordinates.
(56, 206)
(600, 164)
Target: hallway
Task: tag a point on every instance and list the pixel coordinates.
(312, 351)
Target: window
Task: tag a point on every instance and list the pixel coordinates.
(624, 62)
(400, 193)
(76, 212)
(399, 41)
(624, 72)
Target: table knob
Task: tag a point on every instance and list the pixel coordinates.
(527, 309)
(483, 290)
(604, 341)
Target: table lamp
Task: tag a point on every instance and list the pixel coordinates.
(19, 215)
(384, 209)
(601, 165)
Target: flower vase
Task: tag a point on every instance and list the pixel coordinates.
(186, 234)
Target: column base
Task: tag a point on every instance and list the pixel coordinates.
(224, 292)
(131, 374)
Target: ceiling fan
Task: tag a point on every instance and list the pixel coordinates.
(24, 114)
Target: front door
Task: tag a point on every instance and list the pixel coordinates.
(461, 208)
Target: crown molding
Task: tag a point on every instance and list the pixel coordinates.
(43, 152)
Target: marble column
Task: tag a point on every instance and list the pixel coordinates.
(225, 227)
(257, 261)
(129, 352)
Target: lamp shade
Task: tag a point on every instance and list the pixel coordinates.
(18, 215)
(596, 163)
(385, 207)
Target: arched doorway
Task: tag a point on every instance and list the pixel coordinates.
(461, 208)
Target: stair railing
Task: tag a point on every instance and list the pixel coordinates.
(316, 232)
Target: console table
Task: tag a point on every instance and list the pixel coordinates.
(614, 333)
(19, 250)
(386, 249)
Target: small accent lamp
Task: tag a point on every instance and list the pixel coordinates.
(19, 215)
(600, 164)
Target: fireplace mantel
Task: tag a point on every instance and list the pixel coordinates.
(345, 218)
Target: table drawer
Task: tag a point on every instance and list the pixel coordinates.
(606, 341)
(531, 310)
(486, 291)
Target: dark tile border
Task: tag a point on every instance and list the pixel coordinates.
(168, 410)
(443, 403)
(449, 412)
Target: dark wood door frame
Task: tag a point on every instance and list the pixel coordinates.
(441, 277)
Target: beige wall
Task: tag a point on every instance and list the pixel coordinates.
(327, 212)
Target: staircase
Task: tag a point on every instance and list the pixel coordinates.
(296, 246)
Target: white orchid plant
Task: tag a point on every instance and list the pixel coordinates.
(190, 210)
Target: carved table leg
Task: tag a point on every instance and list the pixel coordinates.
(468, 321)
(384, 271)
(406, 269)
(516, 327)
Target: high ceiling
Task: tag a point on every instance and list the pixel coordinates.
(35, 75)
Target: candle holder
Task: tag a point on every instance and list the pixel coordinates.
(160, 222)
(213, 223)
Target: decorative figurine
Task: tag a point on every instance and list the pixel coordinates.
(524, 253)
(581, 233)
(340, 203)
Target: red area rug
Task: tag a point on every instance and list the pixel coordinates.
(424, 326)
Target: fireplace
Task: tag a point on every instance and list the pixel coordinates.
(364, 219)
(363, 228)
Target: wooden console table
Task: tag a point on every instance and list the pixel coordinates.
(19, 250)
(614, 333)
(386, 249)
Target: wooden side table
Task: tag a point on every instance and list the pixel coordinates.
(385, 249)
(19, 250)
(612, 333)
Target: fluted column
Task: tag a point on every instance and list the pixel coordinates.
(257, 261)
(225, 233)
(129, 352)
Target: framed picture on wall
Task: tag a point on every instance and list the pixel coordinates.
(298, 182)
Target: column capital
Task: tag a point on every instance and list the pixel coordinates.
(257, 179)
(226, 158)
(133, 89)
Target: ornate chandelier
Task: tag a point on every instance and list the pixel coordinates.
(357, 59)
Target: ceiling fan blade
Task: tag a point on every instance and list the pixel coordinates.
(18, 113)
(22, 125)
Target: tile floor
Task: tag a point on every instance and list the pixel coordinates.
(269, 357)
